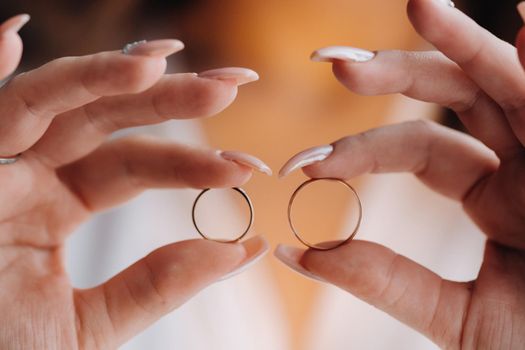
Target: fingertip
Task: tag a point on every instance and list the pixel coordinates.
(521, 10)
(292, 258)
(207, 258)
(256, 245)
(208, 97)
(14, 24)
(306, 158)
(11, 48)
(256, 248)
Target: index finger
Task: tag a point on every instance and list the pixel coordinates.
(30, 101)
(491, 62)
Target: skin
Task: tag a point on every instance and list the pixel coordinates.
(481, 78)
(59, 118)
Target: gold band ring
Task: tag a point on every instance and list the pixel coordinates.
(250, 206)
(338, 243)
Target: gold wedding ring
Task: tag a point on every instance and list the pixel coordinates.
(250, 206)
(325, 246)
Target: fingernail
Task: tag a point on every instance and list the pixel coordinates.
(248, 160)
(521, 10)
(256, 248)
(241, 76)
(155, 48)
(290, 256)
(344, 53)
(449, 3)
(15, 23)
(305, 158)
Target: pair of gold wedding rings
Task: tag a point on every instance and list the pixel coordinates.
(324, 246)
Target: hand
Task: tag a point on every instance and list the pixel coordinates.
(59, 117)
(479, 77)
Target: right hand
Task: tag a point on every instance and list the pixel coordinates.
(480, 77)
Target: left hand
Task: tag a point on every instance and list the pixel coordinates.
(480, 77)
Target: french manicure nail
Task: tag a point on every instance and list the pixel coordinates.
(155, 48)
(256, 248)
(248, 160)
(15, 23)
(241, 76)
(344, 53)
(305, 158)
(290, 256)
(521, 10)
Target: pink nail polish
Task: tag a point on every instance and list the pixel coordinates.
(241, 76)
(305, 158)
(291, 256)
(248, 160)
(343, 53)
(15, 23)
(155, 48)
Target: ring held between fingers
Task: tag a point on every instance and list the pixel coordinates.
(157, 284)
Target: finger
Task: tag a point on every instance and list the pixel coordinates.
(435, 154)
(121, 169)
(11, 44)
(402, 288)
(492, 63)
(425, 76)
(30, 101)
(520, 40)
(78, 132)
(161, 282)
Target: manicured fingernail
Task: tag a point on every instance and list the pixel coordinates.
(449, 3)
(241, 76)
(290, 256)
(155, 48)
(343, 53)
(305, 158)
(521, 10)
(248, 160)
(256, 248)
(15, 23)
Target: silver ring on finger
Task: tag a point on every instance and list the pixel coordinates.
(11, 160)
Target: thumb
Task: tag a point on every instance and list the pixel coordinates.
(112, 313)
(399, 286)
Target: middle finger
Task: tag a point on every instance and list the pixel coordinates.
(76, 133)
(491, 62)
